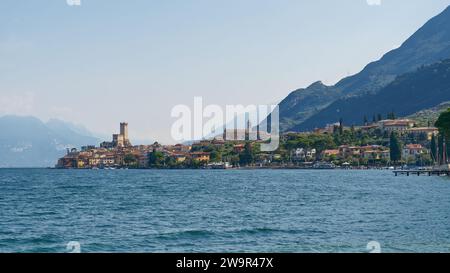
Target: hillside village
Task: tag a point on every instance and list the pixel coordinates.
(336, 145)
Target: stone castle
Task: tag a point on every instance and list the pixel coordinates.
(119, 140)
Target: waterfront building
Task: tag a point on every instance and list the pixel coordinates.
(328, 153)
(377, 154)
(200, 156)
(412, 151)
(143, 160)
(349, 151)
(107, 160)
(180, 157)
(301, 154)
(94, 161)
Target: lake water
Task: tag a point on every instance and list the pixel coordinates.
(222, 211)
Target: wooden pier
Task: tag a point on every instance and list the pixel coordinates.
(421, 172)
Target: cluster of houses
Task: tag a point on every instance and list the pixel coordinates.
(123, 157)
(119, 153)
(369, 152)
(374, 152)
(404, 127)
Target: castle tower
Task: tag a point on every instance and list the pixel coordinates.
(124, 131)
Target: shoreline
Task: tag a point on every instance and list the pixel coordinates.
(207, 169)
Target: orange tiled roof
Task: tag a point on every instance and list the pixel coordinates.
(414, 146)
(331, 152)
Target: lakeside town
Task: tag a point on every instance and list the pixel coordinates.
(382, 143)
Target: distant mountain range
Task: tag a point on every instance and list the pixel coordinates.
(318, 104)
(29, 142)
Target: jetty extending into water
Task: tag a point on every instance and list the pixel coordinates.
(422, 172)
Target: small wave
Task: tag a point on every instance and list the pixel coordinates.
(257, 230)
(188, 233)
(265, 230)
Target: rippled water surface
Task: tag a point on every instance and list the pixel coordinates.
(222, 211)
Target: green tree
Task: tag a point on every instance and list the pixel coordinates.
(443, 123)
(321, 142)
(170, 162)
(156, 159)
(130, 160)
(396, 149)
(234, 160)
(193, 164)
(215, 156)
(247, 157)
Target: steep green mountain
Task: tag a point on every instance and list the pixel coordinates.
(303, 103)
(430, 44)
(409, 93)
(28, 142)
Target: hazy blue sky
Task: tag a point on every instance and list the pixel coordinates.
(108, 61)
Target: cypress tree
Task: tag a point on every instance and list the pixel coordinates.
(440, 148)
(396, 150)
(443, 123)
(247, 157)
